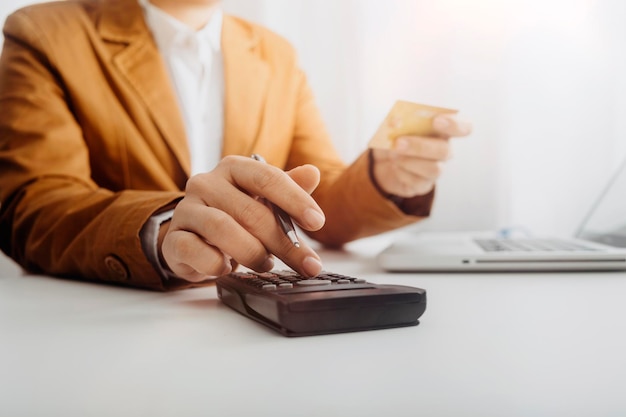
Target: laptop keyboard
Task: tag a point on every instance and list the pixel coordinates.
(531, 245)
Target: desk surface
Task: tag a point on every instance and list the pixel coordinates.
(519, 344)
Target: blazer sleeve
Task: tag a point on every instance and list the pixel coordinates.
(54, 218)
(353, 206)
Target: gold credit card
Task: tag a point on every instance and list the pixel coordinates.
(406, 119)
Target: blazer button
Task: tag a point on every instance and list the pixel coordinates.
(119, 270)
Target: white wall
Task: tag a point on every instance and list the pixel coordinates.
(542, 81)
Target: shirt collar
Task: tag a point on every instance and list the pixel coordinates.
(167, 30)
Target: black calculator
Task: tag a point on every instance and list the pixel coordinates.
(295, 305)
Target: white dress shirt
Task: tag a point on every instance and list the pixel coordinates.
(194, 61)
(195, 65)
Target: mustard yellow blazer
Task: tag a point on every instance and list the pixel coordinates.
(92, 142)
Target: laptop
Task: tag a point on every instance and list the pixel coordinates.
(599, 244)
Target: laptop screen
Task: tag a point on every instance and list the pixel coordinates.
(606, 222)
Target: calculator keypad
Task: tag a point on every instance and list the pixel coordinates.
(275, 280)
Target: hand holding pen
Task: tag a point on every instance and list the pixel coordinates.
(223, 220)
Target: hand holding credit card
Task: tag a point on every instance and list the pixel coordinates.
(406, 118)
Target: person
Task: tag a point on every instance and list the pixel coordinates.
(126, 133)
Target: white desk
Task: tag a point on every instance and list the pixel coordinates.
(488, 345)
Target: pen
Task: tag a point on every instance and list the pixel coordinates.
(282, 218)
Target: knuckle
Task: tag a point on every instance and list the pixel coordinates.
(251, 214)
(192, 184)
(197, 183)
(229, 160)
(268, 178)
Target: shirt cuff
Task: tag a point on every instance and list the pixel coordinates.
(149, 236)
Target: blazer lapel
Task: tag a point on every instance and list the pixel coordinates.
(246, 78)
(141, 64)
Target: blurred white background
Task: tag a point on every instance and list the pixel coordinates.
(541, 80)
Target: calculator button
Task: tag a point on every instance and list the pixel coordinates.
(269, 287)
(343, 281)
(285, 285)
(306, 282)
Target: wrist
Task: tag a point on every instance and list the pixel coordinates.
(152, 235)
(397, 200)
(163, 228)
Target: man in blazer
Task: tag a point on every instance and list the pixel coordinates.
(95, 164)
